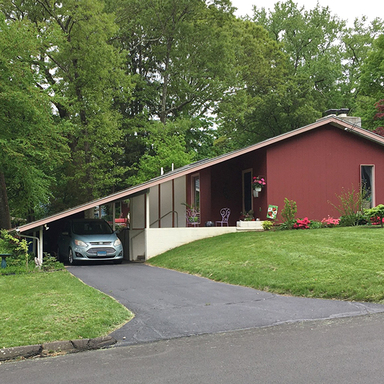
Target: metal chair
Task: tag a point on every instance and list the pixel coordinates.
(224, 212)
(192, 217)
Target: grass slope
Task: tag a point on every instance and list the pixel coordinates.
(41, 307)
(339, 263)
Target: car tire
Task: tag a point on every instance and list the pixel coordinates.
(71, 260)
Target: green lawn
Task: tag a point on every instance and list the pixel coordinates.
(340, 263)
(41, 307)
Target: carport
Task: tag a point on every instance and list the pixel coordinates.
(157, 218)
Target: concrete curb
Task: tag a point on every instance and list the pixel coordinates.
(46, 349)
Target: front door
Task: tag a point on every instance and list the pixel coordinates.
(247, 190)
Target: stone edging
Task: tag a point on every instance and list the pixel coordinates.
(46, 349)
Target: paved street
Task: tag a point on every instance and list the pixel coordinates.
(191, 330)
(342, 351)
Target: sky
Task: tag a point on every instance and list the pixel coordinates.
(345, 9)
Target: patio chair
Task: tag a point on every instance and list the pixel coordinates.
(224, 212)
(192, 217)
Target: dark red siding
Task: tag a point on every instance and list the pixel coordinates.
(314, 167)
(311, 168)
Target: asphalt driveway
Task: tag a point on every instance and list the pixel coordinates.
(169, 304)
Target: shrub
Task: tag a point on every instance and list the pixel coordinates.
(351, 220)
(330, 222)
(267, 225)
(20, 261)
(288, 214)
(315, 224)
(302, 223)
(17, 247)
(350, 203)
(50, 263)
(376, 214)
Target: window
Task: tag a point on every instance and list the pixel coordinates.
(196, 192)
(247, 190)
(367, 185)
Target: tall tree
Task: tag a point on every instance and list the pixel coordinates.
(356, 43)
(83, 74)
(372, 85)
(252, 109)
(310, 39)
(172, 50)
(30, 143)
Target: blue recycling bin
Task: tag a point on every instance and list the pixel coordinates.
(3, 262)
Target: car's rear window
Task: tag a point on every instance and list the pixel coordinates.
(92, 228)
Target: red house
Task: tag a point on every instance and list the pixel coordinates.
(310, 165)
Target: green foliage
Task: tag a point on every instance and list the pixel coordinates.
(267, 225)
(372, 86)
(376, 214)
(167, 148)
(85, 85)
(50, 263)
(315, 224)
(81, 75)
(20, 260)
(30, 143)
(288, 213)
(349, 206)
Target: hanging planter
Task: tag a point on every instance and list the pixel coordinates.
(258, 184)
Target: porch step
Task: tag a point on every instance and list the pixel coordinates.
(249, 229)
(244, 226)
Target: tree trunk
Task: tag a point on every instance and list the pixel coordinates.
(5, 217)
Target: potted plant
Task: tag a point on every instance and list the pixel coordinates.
(247, 216)
(258, 184)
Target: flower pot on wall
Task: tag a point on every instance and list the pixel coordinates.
(256, 192)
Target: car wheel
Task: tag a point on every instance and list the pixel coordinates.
(71, 261)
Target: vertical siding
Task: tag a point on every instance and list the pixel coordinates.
(313, 167)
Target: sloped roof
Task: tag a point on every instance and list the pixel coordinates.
(199, 165)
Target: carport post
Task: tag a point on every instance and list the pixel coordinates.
(40, 247)
(147, 224)
(113, 216)
(147, 216)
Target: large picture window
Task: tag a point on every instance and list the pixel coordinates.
(367, 185)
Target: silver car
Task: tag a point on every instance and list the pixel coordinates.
(89, 240)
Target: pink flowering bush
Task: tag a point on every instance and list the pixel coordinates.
(376, 221)
(330, 222)
(302, 223)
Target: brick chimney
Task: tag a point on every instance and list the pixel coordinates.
(342, 113)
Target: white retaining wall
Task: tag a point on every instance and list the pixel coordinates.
(160, 240)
